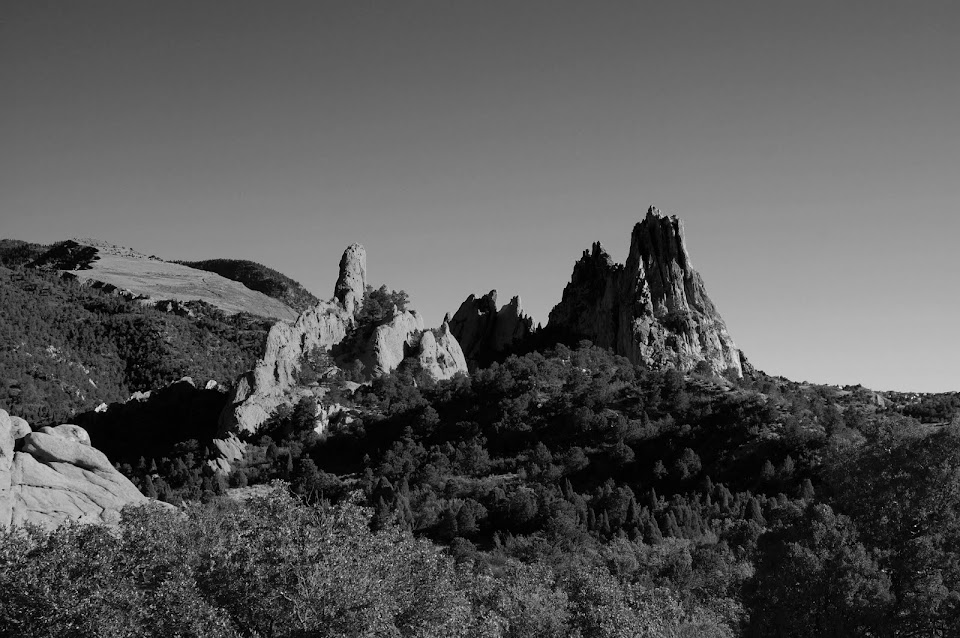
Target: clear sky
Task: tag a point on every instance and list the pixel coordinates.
(812, 149)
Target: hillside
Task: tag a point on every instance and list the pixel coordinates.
(260, 278)
(66, 348)
(101, 264)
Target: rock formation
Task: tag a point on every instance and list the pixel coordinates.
(440, 355)
(483, 331)
(262, 390)
(273, 382)
(653, 309)
(392, 342)
(53, 475)
(352, 282)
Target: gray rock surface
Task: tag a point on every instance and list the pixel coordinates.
(484, 331)
(653, 309)
(52, 476)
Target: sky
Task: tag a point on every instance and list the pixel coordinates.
(811, 148)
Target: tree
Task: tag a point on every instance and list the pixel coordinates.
(814, 578)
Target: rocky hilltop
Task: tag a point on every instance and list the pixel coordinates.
(54, 475)
(653, 309)
(485, 331)
(273, 381)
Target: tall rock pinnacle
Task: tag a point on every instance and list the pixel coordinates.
(654, 309)
(352, 282)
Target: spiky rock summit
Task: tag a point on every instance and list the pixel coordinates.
(654, 309)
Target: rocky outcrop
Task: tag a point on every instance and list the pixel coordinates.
(262, 390)
(392, 342)
(653, 309)
(440, 355)
(54, 475)
(352, 282)
(484, 331)
(273, 382)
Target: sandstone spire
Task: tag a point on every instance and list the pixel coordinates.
(352, 282)
(654, 309)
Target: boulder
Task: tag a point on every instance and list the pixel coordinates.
(54, 476)
(20, 427)
(653, 309)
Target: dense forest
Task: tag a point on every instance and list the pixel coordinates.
(561, 492)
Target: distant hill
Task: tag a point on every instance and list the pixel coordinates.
(260, 278)
(149, 277)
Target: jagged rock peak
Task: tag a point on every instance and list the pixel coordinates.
(352, 281)
(653, 309)
(484, 331)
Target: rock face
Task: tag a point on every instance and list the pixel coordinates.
(392, 342)
(273, 382)
(483, 331)
(440, 355)
(53, 475)
(654, 309)
(352, 282)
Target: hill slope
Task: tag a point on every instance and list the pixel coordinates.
(260, 278)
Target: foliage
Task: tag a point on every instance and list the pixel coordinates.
(271, 567)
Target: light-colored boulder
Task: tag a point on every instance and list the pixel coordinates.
(20, 427)
(56, 476)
